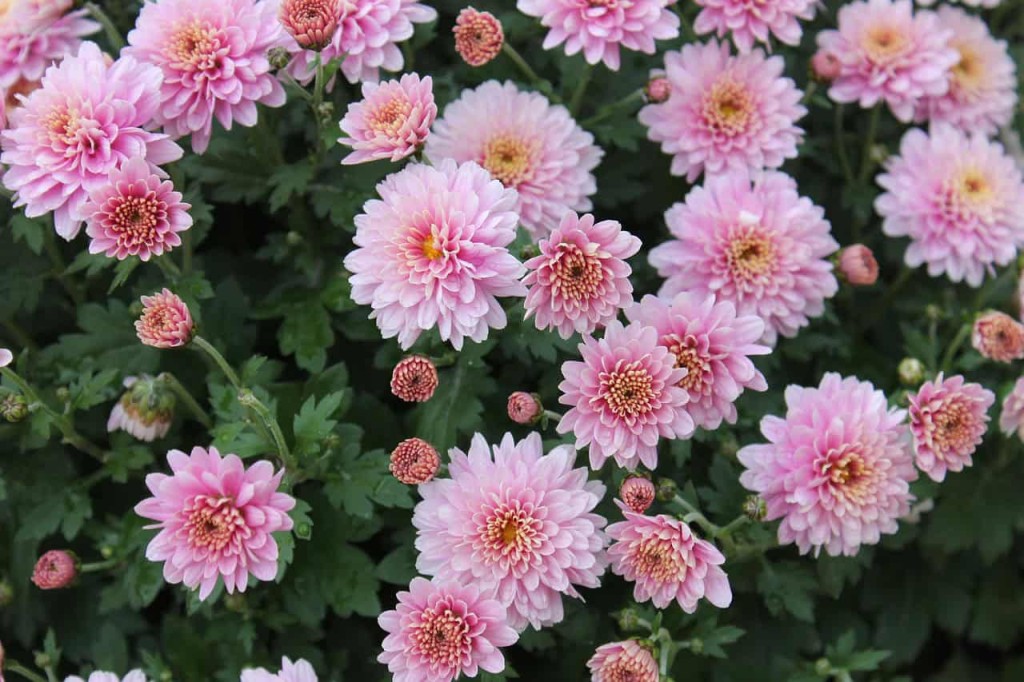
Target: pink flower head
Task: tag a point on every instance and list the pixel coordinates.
(526, 143)
(637, 493)
(836, 470)
(37, 33)
(299, 671)
(599, 27)
(414, 379)
(55, 569)
(524, 408)
(958, 199)
(100, 676)
(888, 53)
(948, 419)
(6, 357)
(713, 344)
(759, 245)
(87, 118)
(725, 112)
(440, 631)
(216, 520)
(666, 562)
(214, 60)
(391, 122)
(414, 461)
(626, 661)
(1011, 418)
(858, 266)
(580, 280)
(136, 213)
(999, 337)
(146, 410)
(433, 252)
(624, 396)
(752, 21)
(165, 322)
(516, 523)
(311, 23)
(478, 36)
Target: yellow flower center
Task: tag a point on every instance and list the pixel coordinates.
(884, 43)
(970, 70)
(628, 390)
(430, 248)
(508, 159)
(390, 118)
(728, 107)
(194, 46)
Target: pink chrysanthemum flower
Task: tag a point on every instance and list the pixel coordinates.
(759, 245)
(414, 379)
(136, 213)
(146, 410)
(1011, 418)
(524, 408)
(414, 461)
(515, 521)
(478, 36)
(392, 120)
(713, 344)
(214, 60)
(311, 23)
(599, 27)
(836, 470)
(725, 112)
(958, 199)
(299, 671)
(433, 253)
(37, 33)
(624, 396)
(888, 53)
(580, 280)
(948, 418)
(999, 337)
(55, 570)
(440, 631)
(100, 676)
(165, 322)
(216, 519)
(626, 661)
(752, 21)
(86, 119)
(667, 562)
(637, 493)
(982, 92)
(526, 143)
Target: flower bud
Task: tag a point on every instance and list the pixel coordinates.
(822, 667)
(755, 508)
(414, 461)
(235, 602)
(637, 492)
(999, 337)
(629, 619)
(858, 266)
(524, 408)
(6, 357)
(825, 66)
(414, 379)
(311, 22)
(658, 90)
(666, 489)
(56, 569)
(146, 409)
(911, 371)
(279, 57)
(478, 36)
(13, 407)
(165, 322)
(6, 594)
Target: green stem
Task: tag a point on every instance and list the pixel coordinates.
(19, 335)
(844, 159)
(694, 515)
(249, 399)
(865, 159)
(98, 566)
(185, 397)
(517, 58)
(962, 335)
(113, 35)
(215, 355)
(15, 667)
(169, 268)
(609, 109)
(60, 268)
(812, 86)
(663, 659)
(581, 89)
(552, 416)
(186, 252)
(727, 530)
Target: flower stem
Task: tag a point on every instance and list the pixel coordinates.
(215, 355)
(869, 142)
(609, 109)
(169, 268)
(98, 566)
(517, 58)
(812, 86)
(694, 515)
(113, 35)
(951, 351)
(249, 399)
(185, 397)
(581, 89)
(844, 159)
(60, 268)
(15, 667)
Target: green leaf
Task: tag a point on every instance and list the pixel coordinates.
(306, 333)
(313, 423)
(788, 587)
(456, 407)
(77, 509)
(288, 181)
(398, 567)
(29, 230)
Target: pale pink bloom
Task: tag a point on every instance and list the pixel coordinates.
(888, 53)
(580, 280)
(637, 493)
(299, 671)
(624, 396)
(442, 630)
(1011, 418)
(759, 245)
(752, 21)
(626, 661)
(146, 410)
(524, 408)
(825, 66)
(713, 344)
(982, 92)
(136, 213)
(958, 199)
(391, 121)
(999, 337)
(666, 562)
(836, 470)
(100, 676)
(725, 112)
(478, 36)
(216, 519)
(86, 119)
(433, 252)
(165, 321)
(55, 570)
(37, 33)
(514, 521)
(214, 60)
(858, 266)
(599, 27)
(6, 357)
(526, 143)
(311, 23)
(948, 418)
(414, 379)
(414, 461)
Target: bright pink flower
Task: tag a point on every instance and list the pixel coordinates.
(889, 53)
(414, 379)
(982, 92)
(478, 36)
(624, 396)
(391, 122)
(6, 357)
(752, 21)
(515, 521)
(87, 118)
(948, 418)
(216, 520)
(136, 213)
(599, 27)
(100, 676)
(55, 570)
(165, 322)
(414, 461)
(37, 33)
(999, 337)
(725, 112)
(836, 470)
(858, 266)
(666, 562)
(299, 671)
(524, 408)
(580, 280)
(958, 199)
(311, 23)
(1011, 418)
(433, 252)
(626, 661)
(760, 246)
(526, 143)
(146, 410)
(214, 60)
(713, 344)
(637, 493)
(440, 631)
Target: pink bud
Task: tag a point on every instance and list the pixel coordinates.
(825, 65)
(658, 90)
(414, 379)
(524, 408)
(414, 461)
(637, 492)
(55, 569)
(999, 337)
(6, 357)
(858, 265)
(165, 321)
(311, 22)
(478, 36)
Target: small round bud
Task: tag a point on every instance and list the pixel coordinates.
(878, 153)
(637, 493)
(934, 313)
(822, 667)
(235, 602)
(858, 266)
(325, 110)
(825, 66)
(6, 357)
(755, 508)
(106, 551)
(629, 619)
(6, 594)
(666, 489)
(414, 461)
(658, 90)
(293, 238)
(63, 394)
(56, 569)
(279, 57)
(414, 379)
(911, 371)
(14, 408)
(303, 531)
(697, 645)
(729, 446)
(478, 36)
(524, 408)
(527, 252)
(42, 660)
(999, 337)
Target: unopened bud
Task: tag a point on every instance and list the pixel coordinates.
(325, 110)
(637, 492)
(755, 508)
(6, 594)
(524, 408)
(658, 90)
(911, 371)
(279, 57)
(235, 602)
(414, 461)
(55, 569)
(822, 667)
(934, 313)
(14, 408)
(478, 36)
(146, 409)
(858, 266)
(629, 619)
(878, 153)
(697, 645)
(63, 394)
(666, 489)
(825, 66)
